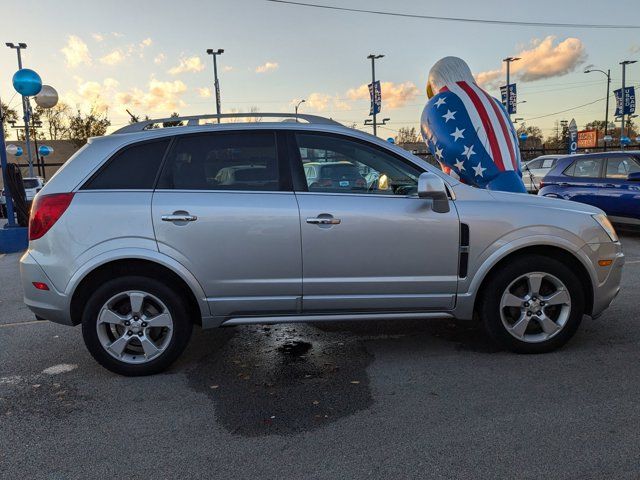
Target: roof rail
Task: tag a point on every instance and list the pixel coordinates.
(194, 120)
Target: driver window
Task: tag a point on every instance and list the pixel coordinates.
(337, 165)
(621, 167)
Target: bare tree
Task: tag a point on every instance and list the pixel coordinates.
(82, 126)
(8, 115)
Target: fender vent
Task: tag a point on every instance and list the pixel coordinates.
(464, 250)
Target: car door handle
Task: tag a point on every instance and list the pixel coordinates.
(323, 221)
(563, 184)
(609, 185)
(179, 217)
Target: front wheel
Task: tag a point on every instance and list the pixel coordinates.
(532, 305)
(135, 325)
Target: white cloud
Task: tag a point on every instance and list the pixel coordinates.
(97, 37)
(160, 96)
(227, 68)
(113, 58)
(394, 95)
(204, 92)
(190, 64)
(147, 42)
(76, 52)
(267, 67)
(544, 58)
(160, 58)
(92, 94)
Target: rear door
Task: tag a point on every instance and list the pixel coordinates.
(224, 208)
(371, 246)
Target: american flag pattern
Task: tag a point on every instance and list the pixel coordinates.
(471, 135)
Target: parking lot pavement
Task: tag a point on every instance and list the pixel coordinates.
(423, 399)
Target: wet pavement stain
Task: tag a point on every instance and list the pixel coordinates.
(284, 379)
(287, 379)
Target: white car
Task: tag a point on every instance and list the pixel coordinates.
(535, 170)
(32, 185)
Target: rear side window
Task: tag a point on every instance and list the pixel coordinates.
(133, 168)
(222, 161)
(548, 163)
(586, 167)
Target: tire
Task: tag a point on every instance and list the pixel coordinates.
(518, 318)
(146, 318)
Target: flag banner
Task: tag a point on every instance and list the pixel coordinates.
(513, 97)
(376, 98)
(629, 101)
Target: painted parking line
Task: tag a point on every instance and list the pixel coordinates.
(16, 324)
(632, 261)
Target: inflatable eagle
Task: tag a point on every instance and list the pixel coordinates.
(468, 131)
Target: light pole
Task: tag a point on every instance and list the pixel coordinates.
(624, 64)
(26, 108)
(214, 54)
(298, 106)
(606, 111)
(373, 87)
(508, 61)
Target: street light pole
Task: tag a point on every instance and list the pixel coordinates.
(624, 64)
(297, 106)
(606, 111)
(508, 61)
(373, 86)
(214, 54)
(26, 108)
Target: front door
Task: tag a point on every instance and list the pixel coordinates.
(224, 208)
(368, 241)
(620, 197)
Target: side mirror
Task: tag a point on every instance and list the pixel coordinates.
(634, 177)
(432, 186)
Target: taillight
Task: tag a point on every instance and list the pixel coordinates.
(46, 211)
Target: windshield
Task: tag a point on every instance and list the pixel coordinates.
(30, 183)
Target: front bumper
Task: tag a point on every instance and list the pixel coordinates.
(48, 304)
(606, 284)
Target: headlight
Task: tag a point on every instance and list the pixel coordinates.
(604, 222)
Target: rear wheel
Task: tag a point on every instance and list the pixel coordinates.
(532, 305)
(135, 325)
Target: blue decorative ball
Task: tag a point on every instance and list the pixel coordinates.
(391, 140)
(625, 140)
(27, 82)
(523, 136)
(14, 150)
(45, 150)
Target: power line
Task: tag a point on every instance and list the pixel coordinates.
(458, 19)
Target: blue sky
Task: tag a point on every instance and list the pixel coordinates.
(150, 56)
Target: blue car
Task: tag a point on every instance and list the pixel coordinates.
(609, 181)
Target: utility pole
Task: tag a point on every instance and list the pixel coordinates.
(373, 86)
(606, 110)
(26, 108)
(508, 61)
(214, 54)
(624, 64)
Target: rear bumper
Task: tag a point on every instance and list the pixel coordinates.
(607, 284)
(47, 304)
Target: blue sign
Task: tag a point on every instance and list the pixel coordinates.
(376, 98)
(573, 137)
(513, 97)
(629, 101)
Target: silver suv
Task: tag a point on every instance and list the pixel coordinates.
(149, 230)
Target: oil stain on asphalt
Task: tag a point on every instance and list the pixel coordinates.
(284, 379)
(287, 379)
